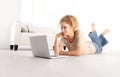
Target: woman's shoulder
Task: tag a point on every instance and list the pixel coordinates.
(78, 32)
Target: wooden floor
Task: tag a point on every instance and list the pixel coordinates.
(23, 64)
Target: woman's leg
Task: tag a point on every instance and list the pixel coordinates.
(102, 38)
(95, 39)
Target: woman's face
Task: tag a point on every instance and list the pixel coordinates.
(66, 29)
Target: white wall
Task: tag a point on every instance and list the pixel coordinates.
(9, 13)
(104, 13)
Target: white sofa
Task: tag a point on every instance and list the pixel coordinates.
(21, 32)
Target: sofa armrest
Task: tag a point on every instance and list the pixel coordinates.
(15, 34)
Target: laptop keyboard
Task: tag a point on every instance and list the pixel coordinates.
(54, 55)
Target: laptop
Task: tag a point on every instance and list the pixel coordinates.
(41, 49)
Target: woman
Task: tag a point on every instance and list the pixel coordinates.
(74, 40)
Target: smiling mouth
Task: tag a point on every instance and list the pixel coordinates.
(63, 34)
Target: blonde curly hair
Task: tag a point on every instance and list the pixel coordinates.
(71, 20)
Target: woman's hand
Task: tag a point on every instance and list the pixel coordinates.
(61, 35)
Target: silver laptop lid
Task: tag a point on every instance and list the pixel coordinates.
(40, 46)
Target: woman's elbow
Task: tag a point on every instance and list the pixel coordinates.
(78, 53)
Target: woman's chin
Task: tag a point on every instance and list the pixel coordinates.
(65, 36)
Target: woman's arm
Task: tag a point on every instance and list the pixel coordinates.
(57, 46)
(76, 52)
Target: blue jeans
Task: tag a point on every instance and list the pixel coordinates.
(98, 41)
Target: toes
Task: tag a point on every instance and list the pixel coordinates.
(93, 27)
(105, 31)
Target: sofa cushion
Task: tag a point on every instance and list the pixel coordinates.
(29, 27)
(24, 27)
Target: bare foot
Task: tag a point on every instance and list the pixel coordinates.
(93, 27)
(105, 32)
